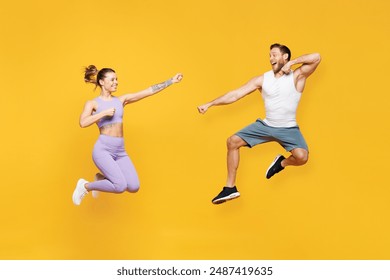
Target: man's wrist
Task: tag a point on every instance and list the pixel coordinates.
(293, 62)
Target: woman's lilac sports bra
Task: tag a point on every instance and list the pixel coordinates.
(104, 105)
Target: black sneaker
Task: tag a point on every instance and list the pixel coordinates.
(275, 167)
(225, 195)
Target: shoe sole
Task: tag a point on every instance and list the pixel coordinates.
(272, 164)
(74, 196)
(226, 198)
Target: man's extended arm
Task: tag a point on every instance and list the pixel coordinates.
(234, 95)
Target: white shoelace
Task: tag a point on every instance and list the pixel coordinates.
(83, 194)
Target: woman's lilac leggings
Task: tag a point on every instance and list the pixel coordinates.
(112, 160)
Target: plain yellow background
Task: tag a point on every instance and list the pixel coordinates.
(335, 207)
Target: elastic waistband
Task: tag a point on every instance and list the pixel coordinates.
(111, 140)
(267, 123)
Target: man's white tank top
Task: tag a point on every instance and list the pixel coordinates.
(281, 100)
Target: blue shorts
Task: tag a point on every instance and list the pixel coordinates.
(258, 133)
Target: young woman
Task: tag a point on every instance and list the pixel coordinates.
(109, 153)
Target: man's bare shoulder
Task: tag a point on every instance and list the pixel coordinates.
(257, 81)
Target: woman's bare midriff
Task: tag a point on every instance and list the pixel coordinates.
(113, 129)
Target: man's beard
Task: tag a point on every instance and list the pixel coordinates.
(278, 68)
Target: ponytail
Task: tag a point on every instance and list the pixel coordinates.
(93, 75)
(90, 74)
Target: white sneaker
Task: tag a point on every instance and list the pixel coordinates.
(79, 192)
(98, 177)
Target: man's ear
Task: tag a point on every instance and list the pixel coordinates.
(285, 56)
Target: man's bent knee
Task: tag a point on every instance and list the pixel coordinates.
(301, 156)
(235, 142)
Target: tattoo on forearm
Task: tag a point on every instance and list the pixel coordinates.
(162, 85)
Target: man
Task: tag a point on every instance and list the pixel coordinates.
(281, 89)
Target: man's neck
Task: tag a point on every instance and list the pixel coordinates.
(278, 74)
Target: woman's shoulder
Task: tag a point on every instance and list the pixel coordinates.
(91, 103)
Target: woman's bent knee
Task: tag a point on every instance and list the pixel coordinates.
(133, 188)
(120, 187)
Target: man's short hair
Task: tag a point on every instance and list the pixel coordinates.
(283, 49)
